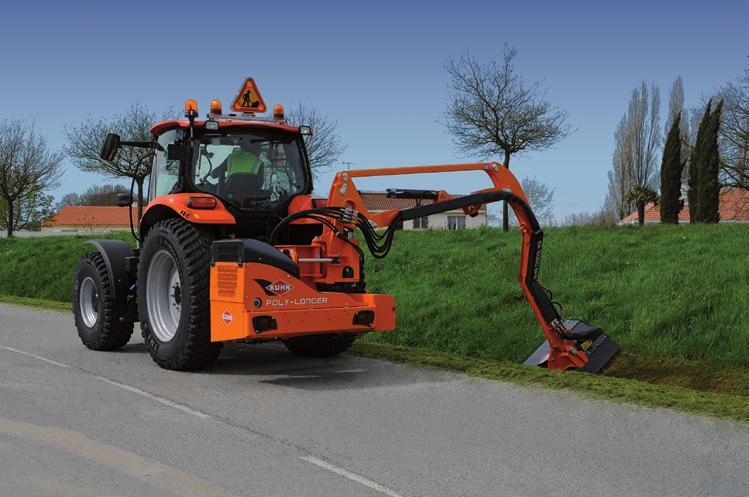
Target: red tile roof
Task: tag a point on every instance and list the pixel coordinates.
(734, 207)
(91, 215)
(378, 201)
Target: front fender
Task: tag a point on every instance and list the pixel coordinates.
(115, 253)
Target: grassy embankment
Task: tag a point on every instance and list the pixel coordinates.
(676, 298)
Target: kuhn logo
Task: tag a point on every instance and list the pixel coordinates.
(279, 287)
(227, 316)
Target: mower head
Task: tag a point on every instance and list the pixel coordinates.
(598, 347)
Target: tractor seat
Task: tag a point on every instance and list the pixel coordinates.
(580, 330)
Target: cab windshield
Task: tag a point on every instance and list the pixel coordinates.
(249, 170)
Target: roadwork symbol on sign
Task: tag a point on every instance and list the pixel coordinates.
(249, 99)
(227, 316)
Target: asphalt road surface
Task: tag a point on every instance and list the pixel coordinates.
(261, 422)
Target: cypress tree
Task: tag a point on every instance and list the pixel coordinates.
(671, 167)
(709, 189)
(695, 164)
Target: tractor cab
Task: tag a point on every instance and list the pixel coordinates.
(248, 166)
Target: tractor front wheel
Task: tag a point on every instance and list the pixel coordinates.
(320, 346)
(173, 296)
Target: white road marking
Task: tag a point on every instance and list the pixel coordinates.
(29, 354)
(351, 476)
(143, 393)
(151, 396)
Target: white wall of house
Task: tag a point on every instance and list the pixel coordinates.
(447, 220)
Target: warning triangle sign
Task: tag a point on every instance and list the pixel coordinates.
(249, 99)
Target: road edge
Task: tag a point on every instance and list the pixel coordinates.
(620, 390)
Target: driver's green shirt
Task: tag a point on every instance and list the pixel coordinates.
(241, 161)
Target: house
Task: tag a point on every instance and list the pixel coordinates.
(734, 208)
(89, 219)
(455, 219)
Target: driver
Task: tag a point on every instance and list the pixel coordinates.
(243, 161)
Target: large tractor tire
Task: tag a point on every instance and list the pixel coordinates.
(320, 346)
(173, 296)
(97, 315)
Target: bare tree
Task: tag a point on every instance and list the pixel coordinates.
(620, 176)
(602, 217)
(27, 169)
(734, 133)
(67, 200)
(633, 179)
(324, 146)
(492, 111)
(541, 200)
(134, 124)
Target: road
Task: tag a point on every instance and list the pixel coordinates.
(261, 422)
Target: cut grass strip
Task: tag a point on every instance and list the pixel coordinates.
(722, 405)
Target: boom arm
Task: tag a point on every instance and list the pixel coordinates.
(570, 344)
(564, 353)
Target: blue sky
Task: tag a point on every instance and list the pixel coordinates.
(375, 66)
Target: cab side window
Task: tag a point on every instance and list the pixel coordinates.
(164, 172)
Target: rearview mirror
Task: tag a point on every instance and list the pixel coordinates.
(109, 149)
(124, 199)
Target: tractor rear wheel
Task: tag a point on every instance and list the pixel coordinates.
(320, 346)
(97, 315)
(173, 296)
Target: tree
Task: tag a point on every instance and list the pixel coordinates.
(638, 138)
(324, 146)
(492, 111)
(28, 168)
(676, 107)
(105, 194)
(68, 199)
(620, 176)
(29, 213)
(734, 133)
(709, 170)
(694, 182)
(134, 124)
(540, 198)
(641, 196)
(671, 167)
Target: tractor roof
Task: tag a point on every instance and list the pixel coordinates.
(162, 126)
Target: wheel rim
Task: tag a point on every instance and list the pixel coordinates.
(88, 302)
(163, 295)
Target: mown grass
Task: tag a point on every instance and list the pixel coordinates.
(676, 298)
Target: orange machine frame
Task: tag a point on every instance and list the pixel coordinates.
(327, 259)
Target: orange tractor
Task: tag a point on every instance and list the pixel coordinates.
(232, 246)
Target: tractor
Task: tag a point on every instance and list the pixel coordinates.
(233, 246)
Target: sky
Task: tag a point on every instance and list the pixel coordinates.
(375, 67)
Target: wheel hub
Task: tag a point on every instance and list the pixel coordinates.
(163, 295)
(88, 302)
